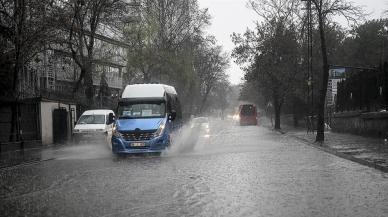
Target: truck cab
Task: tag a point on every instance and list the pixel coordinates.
(248, 114)
(146, 116)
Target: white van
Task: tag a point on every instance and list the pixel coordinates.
(94, 125)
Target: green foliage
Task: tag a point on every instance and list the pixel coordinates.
(168, 45)
(273, 52)
(366, 44)
(24, 30)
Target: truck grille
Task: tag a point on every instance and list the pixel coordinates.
(138, 136)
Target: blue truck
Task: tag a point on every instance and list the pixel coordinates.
(146, 116)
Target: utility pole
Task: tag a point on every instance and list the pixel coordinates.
(384, 65)
(310, 53)
(310, 76)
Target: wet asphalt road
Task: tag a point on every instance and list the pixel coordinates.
(236, 171)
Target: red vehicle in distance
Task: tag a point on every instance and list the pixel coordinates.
(247, 114)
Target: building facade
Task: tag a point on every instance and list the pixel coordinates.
(49, 79)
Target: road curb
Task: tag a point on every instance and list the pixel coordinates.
(342, 155)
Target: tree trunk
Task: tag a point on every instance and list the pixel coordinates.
(19, 18)
(12, 135)
(295, 111)
(385, 70)
(88, 82)
(81, 77)
(277, 117)
(15, 95)
(204, 99)
(277, 108)
(146, 77)
(323, 87)
(202, 104)
(295, 120)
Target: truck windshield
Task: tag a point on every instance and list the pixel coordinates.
(247, 110)
(92, 119)
(141, 110)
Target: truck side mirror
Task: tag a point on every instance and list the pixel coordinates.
(111, 118)
(172, 116)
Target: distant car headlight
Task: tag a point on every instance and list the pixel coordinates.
(115, 132)
(160, 130)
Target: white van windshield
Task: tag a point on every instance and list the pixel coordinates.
(142, 110)
(92, 119)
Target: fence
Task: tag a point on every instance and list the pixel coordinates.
(26, 125)
(363, 90)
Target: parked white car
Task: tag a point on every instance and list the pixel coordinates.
(94, 125)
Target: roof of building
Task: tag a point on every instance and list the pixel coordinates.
(147, 91)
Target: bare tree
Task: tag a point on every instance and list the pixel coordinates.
(210, 65)
(168, 45)
(82, 19)
(275, 64)
(272, 51)
(165, 28)
(325, 10)
(276, 9)
(25, 26)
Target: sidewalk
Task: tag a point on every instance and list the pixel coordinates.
(371, 152)
(27, 156)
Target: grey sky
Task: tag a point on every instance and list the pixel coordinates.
(230, 16)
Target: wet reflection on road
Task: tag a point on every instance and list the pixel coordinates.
(236, 171)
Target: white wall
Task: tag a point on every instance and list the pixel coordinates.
(46, 114)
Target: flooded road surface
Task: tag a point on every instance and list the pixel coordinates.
(232, 171)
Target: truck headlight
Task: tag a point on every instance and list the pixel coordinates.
(115, 132)
(160, 130)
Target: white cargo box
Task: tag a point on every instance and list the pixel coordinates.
(147, 91)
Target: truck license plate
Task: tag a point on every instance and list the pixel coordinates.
(138, 144)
